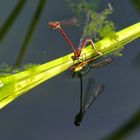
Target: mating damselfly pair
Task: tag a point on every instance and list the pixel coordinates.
(83, 66)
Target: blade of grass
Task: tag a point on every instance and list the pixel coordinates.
(12, 17)
(14, 85)
(31, 30)
(128, 128)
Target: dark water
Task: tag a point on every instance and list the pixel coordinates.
(47, 111)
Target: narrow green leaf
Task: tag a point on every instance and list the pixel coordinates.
(31, 30)
(12, 17)
(14, 85)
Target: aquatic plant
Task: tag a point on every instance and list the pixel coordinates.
(99, 25)
(14, 85)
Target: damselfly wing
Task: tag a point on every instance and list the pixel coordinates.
(85, 23)
(70, 21)
(102, 63)
(89, 98)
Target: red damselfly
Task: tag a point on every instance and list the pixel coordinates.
(83, 42)
(83, 67)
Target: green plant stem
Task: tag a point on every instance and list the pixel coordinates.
(14, 85)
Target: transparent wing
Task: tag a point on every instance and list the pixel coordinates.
(92, 97)
(70, 21)
(101, 63)
(85, 23)
(89, 89)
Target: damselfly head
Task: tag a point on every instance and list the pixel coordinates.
(54, 25)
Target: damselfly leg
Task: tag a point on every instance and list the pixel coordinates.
(89, 40)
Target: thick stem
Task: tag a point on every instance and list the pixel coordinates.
(14, 85)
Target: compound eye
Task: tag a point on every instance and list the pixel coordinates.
(57, 25)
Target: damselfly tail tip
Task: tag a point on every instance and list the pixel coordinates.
(76, 123)
(78, 118)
